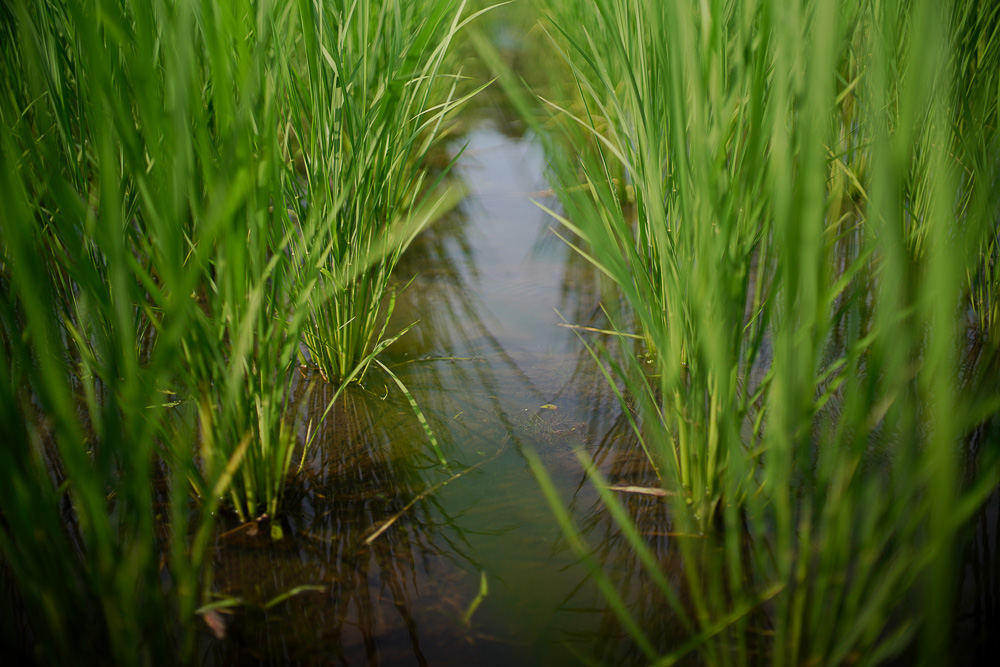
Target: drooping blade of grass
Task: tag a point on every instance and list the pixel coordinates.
(578, 545)
(419, 414)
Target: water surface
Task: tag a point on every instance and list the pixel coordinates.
(495, 374)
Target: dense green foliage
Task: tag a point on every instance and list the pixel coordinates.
(792, 197)
(794, 202)
(191, 191)
(374, 144)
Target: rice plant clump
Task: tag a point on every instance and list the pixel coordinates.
(812, 192)
(364, 118)
(189, 187)
(117, 191)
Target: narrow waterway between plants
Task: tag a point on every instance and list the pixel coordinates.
(389, 558)
(362, 332)
(469, 566)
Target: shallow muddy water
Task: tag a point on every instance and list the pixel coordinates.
(494, 373)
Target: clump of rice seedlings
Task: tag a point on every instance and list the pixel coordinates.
(811, 188)
(151, 308)
(682, 256)
(368, 104)
(189, 185)
(99, 136)
(242, 348)
(975, 61)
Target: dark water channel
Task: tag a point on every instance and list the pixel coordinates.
(495, 374)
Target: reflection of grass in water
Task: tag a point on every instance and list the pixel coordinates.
(379, 599)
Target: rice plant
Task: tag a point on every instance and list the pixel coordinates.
(334, 193)
(369, 103)
(242, 348)
(95, 302)
(161, 256)
(812, 192)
